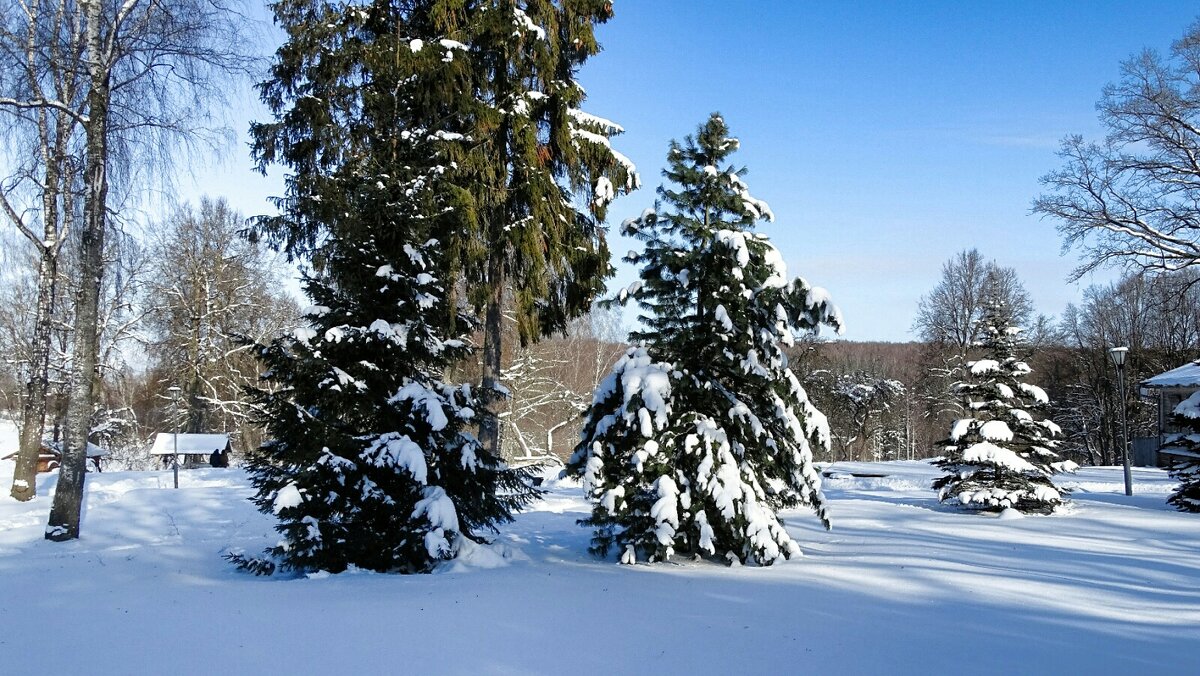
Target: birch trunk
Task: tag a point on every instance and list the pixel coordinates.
(33, 415)
(66, 510)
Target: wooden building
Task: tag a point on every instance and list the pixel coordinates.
(50, 456)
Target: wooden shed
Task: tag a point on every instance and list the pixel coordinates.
(50, 456)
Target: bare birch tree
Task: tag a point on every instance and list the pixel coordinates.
(950, 314)
(41, 106)
(551, 384)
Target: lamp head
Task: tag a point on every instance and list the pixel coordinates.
(1118, 355)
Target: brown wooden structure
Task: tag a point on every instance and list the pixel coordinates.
(50, 456)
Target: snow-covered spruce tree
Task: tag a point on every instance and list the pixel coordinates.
(371, 462)
(701, 433)
(1003, 455)
(1185, 454)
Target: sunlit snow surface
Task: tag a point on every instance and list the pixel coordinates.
(901, 585)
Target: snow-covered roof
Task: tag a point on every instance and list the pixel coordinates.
(93, 451)
(190, 444)
(1187, 375)
(1179, 452)
(53, 447)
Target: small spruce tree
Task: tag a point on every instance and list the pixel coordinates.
(701, 434)
(1184, 450)
(371, 461)
(1003, 455)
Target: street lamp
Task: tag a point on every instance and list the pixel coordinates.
(1118, 356)
(174, 390)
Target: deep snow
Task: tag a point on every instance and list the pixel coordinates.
(900, 585)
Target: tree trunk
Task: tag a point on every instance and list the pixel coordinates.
(33, 415)
(67, 508)
(492, 393)
(194, 416)
(550, 435)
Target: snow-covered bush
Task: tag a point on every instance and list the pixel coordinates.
(1004, 454)
(701, 433)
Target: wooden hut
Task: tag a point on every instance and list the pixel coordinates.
(50, 456)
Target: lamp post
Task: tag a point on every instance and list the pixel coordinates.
(174, 390)
(1118, 356)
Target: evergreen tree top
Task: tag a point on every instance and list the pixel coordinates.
(704, 193)
(1001, 343)
(700, 268)
(998, 334)
(527, 175)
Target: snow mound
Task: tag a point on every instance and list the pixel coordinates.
(1038, 394)
(984, 367)
(474, 556)
(988, 453)
(960, 428)
(996, 430)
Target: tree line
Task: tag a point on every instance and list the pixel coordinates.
(888, 401)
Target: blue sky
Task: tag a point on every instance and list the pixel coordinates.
(886, 136)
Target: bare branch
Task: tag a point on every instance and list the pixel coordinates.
(43, 103)
(1134, 201)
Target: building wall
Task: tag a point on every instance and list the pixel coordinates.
(1145, 452)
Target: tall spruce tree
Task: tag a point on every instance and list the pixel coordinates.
(1184, 450)
(372, 462)
(541, 173)
(1003, 455)
(701, 433)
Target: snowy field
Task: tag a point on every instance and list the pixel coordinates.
(900, 586)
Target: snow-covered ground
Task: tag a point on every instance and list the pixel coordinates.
(899, 586)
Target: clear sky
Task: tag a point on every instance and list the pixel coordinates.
(886, 136)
